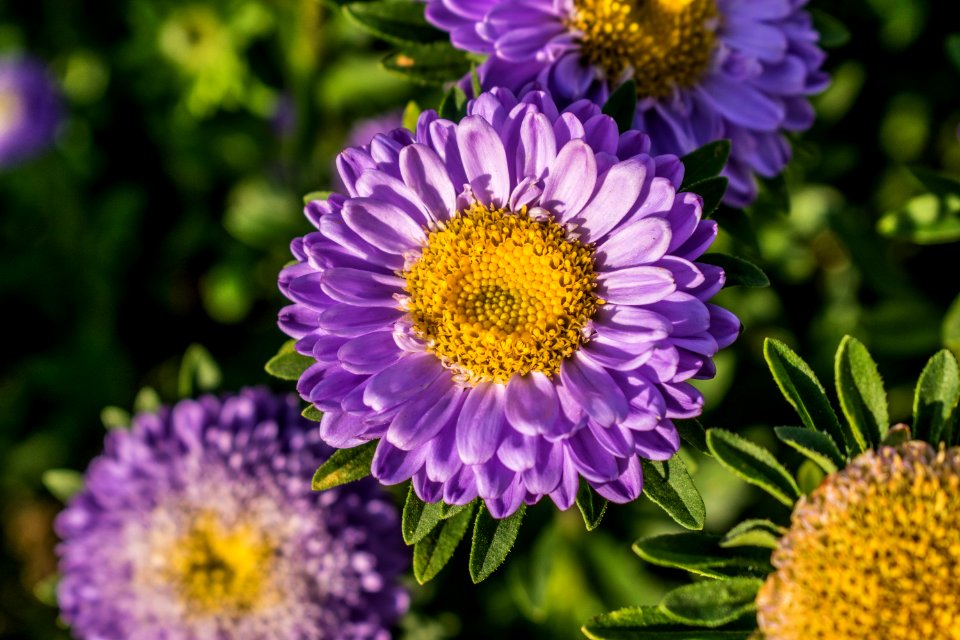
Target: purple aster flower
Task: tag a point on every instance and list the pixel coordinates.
(200, 524)
(363, 131)
(29, 109)
(705, 69)
(508, 304)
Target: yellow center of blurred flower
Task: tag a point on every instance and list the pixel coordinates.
(11, 110)
(496, 293)
(220, 570)
(873, 553)
(662, 44)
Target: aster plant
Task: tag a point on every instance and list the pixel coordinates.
(199, 522)
(505, 308)
(870, 549)
(30, 110)
(702, 70)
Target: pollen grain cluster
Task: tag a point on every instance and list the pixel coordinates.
(496, 293)
(873, 553)
(664, 43)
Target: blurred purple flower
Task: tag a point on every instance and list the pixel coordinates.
(508, 304)
(705, 69)
(200, 523)
(363, 131)
(30, 110)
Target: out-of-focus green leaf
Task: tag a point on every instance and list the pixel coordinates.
(432, 553)
(815, 445)
(198, 372)
(953, 49)
(833, 33)
(753, 464)
(401, 23)
(951, 327)
(62, 483)
(411, 113)
(622, 105)
(809, 476)
(345, 465)
(429, 64)
(650, 623)
(711, 603)
(592, 507)
(863, 399)
(147, 400)
(754, 533)
(693, 433)
(706, 162)
(925, 219)
(454, 104)
(739, 272)
(115, 418)
(316, 195)
(492, 541)
(804, 392)
(288, 364)
(702, 554)
(419, 517)
(669, 485)
(935, 400)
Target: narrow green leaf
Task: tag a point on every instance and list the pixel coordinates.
(938, 391)
(432, 553)
(147, 400)
(622, 105)
(316, 195)
(592, 507)
(833, 33)
(809, 476)
(450, 510)
(62, 483)
(706, 162)
(419, 517)
(739, 272)
(693, 433)
(312, 413)
(950, 330)
(345, 465)
(952, 47)
(288, 364)
(754, 533)
(115, 418)
(815, 445)
(650, 623)
(702, 554)
(753, 464)
(712, 191)
(712, 603)
(411, 113)
(492, 541)
(453, 103)
(475, 83)
(669, 485)
(804, 392)
(397, 22)
(863, 399)
(198, 372)
(429, 64)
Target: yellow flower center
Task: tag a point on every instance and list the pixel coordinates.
(220, 570)
(11, 110)
(663, 43)
(496, 293)
(873, 553)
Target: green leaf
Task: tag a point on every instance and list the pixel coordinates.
(419, 517)
(711, 190)
(492, 541)
(952, 47)
(739, 272)
(475, 85)
(702, 554)
(450, 510)
(693, 433)
(712, 603)
(345, 465)
(938, 391)
(454, 104)
(398, 22)
(833, 33)
(804, 392)
(753, 464)
(115, 418)
(925, 219)
(669, 485)
(312, 413)
(622, 105)
(863, 399)
(62, 483)
(809, 476)
(754, 533)
(411, 114)
(950, 330)
(650, 623)
(936, 183)
(316, 195)
(429, 64)
(147, 400)
(198, 372)
(815, 445)
(432, 553)
(592, 507)
(706, 162)
(288, 364)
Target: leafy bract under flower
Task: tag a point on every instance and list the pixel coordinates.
(508, 304)
(200, 523)
(874, 552)
(704, 69)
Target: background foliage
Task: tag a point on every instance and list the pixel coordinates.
(162, 216)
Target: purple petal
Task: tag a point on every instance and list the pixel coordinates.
(642, 242)
(421, 420)
(517, 452)
(481, 423)
(392, 465)
(616, 195)
(627, 487)
(484, 160)
(593, 388)
(402, 380)
(369, 354)
(493, 478)
(593, 462)
(350, 322)
(636, 285)
(531, 403)
(383, 225)
(361, 288)
(570, 183)
(340, 430)
(424, 172)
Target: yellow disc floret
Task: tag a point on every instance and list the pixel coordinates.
(218, 569)
(495, 293)
(873, 553)
(663, 43)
